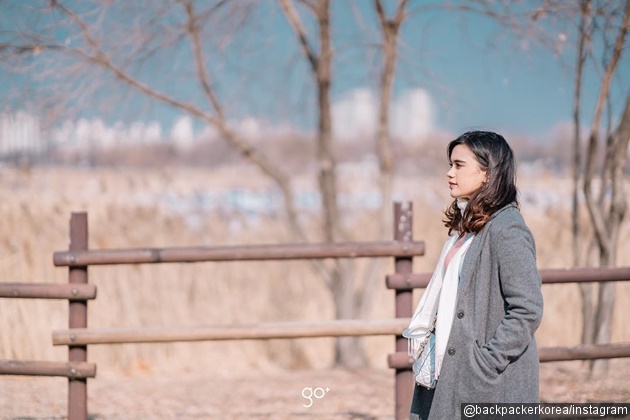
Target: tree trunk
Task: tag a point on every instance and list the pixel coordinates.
(390, 31)
(347, 350)
(327, 161)
(586, 289)
(618, 207)
(604, 315)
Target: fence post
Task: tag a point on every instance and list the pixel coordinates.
(77, 387)
(403, 232)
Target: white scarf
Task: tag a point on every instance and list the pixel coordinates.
(432, 298)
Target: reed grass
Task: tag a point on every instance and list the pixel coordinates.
(126, 209)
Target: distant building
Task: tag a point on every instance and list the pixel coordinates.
(20, 136)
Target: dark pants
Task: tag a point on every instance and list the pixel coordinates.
(421, 402)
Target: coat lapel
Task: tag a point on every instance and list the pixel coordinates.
(471, 259)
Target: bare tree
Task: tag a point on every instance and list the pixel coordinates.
(348, 349)
(390, 30)
(606, 215)
(350, 301)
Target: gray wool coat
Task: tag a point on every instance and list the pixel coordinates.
(491, 352)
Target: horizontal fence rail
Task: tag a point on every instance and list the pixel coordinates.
(584, 352)
(333, 328)
(48, 291)
(238, 253)
(401, 360)
(39, 368)
(549, 276)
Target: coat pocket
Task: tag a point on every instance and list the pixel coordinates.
(478, 382)
(481, 362)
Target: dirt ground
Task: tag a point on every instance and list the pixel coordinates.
(350, 395)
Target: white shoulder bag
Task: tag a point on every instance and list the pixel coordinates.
(424, 364)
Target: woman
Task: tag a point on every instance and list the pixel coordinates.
(479, 313)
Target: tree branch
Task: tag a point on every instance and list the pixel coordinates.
(193, 30)
(400, 12)
(298, 27)
(310, 5)
(380, 12)
(246, 150)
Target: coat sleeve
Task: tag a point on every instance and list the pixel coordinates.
(514, 250)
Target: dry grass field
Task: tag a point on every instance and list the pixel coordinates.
(176, 207)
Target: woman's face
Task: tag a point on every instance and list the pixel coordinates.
(465, 176)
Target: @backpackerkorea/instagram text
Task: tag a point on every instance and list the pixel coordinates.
(310, 393)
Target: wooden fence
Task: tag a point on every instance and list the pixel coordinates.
(403, 249)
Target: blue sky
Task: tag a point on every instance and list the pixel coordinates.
(477, 74)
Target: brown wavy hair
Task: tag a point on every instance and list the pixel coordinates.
(496, 158)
